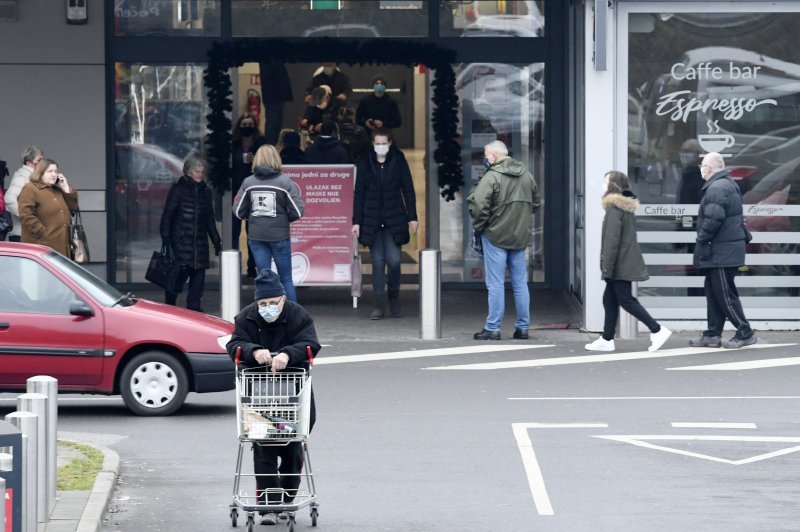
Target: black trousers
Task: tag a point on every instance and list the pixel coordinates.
(722, 302)
(284, 476)
(197, 283)
(618, 294)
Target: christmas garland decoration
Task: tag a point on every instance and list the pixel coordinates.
(224, 56)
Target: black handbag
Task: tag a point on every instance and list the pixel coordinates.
(165, 271)
(77, 240)
(6, 225)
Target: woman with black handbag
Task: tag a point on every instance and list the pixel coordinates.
(186, 225)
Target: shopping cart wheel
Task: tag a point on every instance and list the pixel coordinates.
(291, 523)
(314, 516)
(251, 522)
(234, 517)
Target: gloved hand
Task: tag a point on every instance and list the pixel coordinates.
(217, 248)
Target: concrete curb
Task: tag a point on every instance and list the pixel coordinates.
(102, 490)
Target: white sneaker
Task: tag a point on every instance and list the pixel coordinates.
(658, 339)
(600, 344)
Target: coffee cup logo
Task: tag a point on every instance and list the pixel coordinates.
(715, 142)
(300, 267)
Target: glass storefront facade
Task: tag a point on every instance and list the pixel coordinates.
(167, 17)
(726, 82)
(485, 18)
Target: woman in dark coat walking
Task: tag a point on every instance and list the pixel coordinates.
(621, 263)
(186, 225)
(384, 205)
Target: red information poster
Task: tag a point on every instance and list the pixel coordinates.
(322, 243)
(9, 516)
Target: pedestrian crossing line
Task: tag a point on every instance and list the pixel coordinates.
(419, 353)
(593, 359)
(747, 364)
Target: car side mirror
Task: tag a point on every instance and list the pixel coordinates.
(79, 308)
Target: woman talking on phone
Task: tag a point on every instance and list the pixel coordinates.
(46, 203)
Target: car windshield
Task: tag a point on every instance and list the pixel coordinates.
(101, 291)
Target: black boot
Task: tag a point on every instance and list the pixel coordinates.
(394, 303)
(377, 312)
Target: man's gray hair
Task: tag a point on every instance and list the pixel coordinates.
(496, 147)
(715, 161)
(29, 153)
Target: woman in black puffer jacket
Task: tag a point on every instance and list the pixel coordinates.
(384, 205)
(186, 225)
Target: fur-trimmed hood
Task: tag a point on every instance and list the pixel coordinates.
(626, 201)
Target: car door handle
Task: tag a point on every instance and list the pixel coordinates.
(4, 325)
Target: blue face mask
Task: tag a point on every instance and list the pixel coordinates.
(379, 88)
(486, 162)
(270, 313)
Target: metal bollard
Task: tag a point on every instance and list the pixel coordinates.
(28, 424)
(628, 325)
(430, 292)
(48, 386)
(231, 283)
(36, 403)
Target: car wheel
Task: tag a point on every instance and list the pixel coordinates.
(154, 384)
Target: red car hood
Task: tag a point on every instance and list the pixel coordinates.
(180, 316)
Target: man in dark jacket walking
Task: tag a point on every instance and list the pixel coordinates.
(326, 148)
(275, 334)
(186, 225)
(502, 206)
(719, 252)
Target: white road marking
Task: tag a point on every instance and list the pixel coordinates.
(591, 359)
(419, 353)
(681, 425)
(532, 469)
(747, 364)
(657, 398)
(643, 441)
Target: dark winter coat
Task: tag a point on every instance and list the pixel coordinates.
(293, 155)
(269, 201)
(382, 108)
(291, 333)
(384, 197)
(44, 213)
(326, 150)
(620, 256)
(720, 225)
(188, 222)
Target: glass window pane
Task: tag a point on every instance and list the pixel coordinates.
(26, 286)
(716, 82)
(330, 18)
(498, 102)
(167, 17)
(160, 120)
(490, 18)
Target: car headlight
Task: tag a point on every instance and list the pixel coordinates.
(222, 341)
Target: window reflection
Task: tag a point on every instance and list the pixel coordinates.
(166, 17)
(498, 102)
(159, 122)
(730, 83)
(330, 18)
(512, 18)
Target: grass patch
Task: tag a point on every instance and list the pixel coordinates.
(80, 472)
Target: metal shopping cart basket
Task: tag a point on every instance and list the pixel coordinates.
(273, 409)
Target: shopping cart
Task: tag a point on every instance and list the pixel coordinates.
(273, 409)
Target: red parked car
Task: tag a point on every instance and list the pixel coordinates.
(58, 319)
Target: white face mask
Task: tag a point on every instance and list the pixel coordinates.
(382, 149)
(270, 313)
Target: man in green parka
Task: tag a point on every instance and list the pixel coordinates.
(502, 206)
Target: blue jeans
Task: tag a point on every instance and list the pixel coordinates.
(495, 260)
(281, 251)
(384, 253)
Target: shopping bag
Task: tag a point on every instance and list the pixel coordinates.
(355, 272)
(165, 271)
(476, 243)
(77, 240)
(6, 225)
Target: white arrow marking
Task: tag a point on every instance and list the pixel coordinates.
(445, 351)
(591, 359)
(747, 364)
(532, 469)
(713, 425)
(642, 441)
